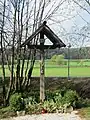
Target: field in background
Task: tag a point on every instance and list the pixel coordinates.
(78, 68)
(63, 72)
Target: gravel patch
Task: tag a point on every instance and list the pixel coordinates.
(53, 116)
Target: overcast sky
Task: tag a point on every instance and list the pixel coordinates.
(67, 19)
(68, 16)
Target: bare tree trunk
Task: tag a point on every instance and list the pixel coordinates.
(33, 54)
(18, 51)
(35, 39)
(21, 39)
(27, 66)
(2, 53)
(12, 66)
(33, 51)
(23, 60)
(20, 30)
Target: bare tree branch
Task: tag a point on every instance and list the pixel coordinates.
(81, 6)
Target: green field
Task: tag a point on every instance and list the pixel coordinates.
(78, 68)
(63, 72)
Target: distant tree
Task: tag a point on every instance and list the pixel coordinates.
(53, 58)
(60, 59)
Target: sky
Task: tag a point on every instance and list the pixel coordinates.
(68, 17)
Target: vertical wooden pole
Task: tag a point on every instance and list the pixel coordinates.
(42, 86)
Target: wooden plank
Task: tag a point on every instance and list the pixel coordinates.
(45, 46)
(42, 86)
(53, 37)
(49, 34)
(42, 72)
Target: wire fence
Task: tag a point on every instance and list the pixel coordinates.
(75, 68)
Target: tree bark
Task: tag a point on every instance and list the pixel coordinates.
(12, 65)
(2, 54)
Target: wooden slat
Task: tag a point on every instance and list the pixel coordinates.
(45, 46)
(57, 42)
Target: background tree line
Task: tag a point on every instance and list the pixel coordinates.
(75, 53)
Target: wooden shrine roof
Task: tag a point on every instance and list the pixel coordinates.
(57, 42)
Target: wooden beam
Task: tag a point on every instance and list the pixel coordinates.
(45, 46)
(49, 34)
(42, 84)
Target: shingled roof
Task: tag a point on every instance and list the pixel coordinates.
(57, 42)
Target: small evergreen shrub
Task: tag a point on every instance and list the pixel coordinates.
(82, 103)
(63, 100)
(16, 102)
(71, 97)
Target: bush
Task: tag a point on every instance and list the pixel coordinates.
(6, 112)
(16, 102)
(53, 59)
(60, 60)
(58, 101)
(71, 97)
(82, 103)
(64, 62)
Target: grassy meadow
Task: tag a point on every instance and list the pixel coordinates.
(78, 68)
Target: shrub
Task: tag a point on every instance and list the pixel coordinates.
(30, 101)
(16, 102)
(64, 62)
(82, 103)
(53, 59)
(60, 60)
(71, 97)
(58, 101)
(6, 112)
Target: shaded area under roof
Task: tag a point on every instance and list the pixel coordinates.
(57, 42)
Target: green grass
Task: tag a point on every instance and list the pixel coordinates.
(63, 72)
(59, 72)
(78, 68)
(85, 113)
(6, 113)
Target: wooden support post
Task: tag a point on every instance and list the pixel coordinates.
(42, 93)
(42, 86)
